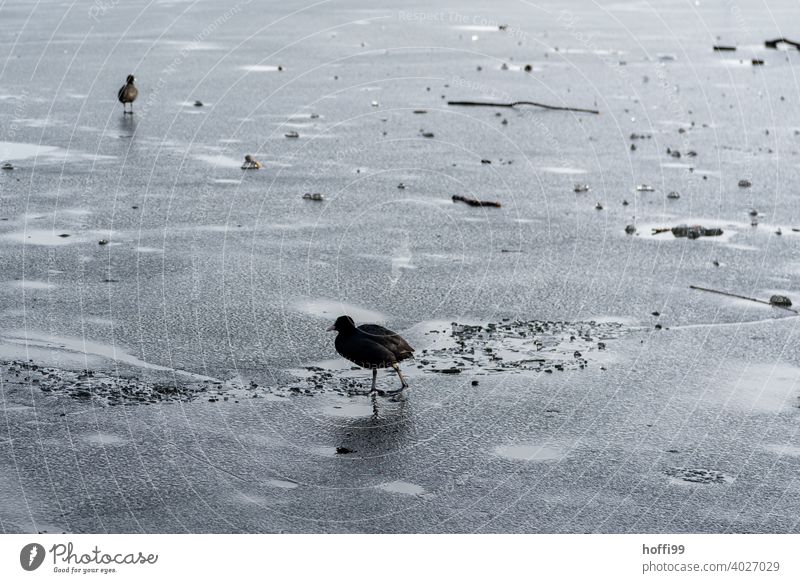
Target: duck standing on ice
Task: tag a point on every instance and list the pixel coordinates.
(127, 94)
(371, 346)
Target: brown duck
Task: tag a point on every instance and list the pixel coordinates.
(128, 94)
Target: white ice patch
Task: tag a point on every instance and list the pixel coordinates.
(284, 484)
(43, 153)
(48, 348)
(40, 237)
(327, 308)
(20, 151)
(349, 410)
(783, 449)
(562, 170)
(220, 161)
(259, 68)
(400, 487)
(104, 439)
(33, 284)
(764, 388)
(530, 452)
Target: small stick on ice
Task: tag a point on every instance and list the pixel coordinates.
(515, 103)
(776, 301)
(475, 201)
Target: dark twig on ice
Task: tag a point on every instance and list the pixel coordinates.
(475, 201)
(516, 103)
(773, 44)
(776, 300)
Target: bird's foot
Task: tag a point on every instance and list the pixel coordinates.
(389, 393)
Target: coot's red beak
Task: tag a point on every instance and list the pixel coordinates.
(331, 328)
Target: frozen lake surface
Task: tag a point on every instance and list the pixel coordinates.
(178, 376)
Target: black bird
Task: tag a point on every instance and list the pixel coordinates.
(371, 346)
(128, 94)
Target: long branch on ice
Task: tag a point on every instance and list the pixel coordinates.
(515, 103)
(776, 300)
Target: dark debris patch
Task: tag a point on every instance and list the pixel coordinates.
(509, 347)
(104, 389)
(697, 475)
(515, 346)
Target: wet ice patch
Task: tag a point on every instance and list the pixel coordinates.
(275, 398)
(77, 212)
(98, 321)
(327, 308)
(250, 499)
(40, 122)
(400, 487)
(562, 170)
(305, 116)
(259, 68)
(194, 45)
(33, 285)
(214, 228)
(349, 410)
(104, 439)
(477, 27)
(219, 160)
(678, 165)
(783, 449)
(735, 62)
(637, 6)
(49, 343)
(760, 388)
(531, 452)
(21, 151)
(284, 484)
(41, 237)
(324, 450)
(44, 154)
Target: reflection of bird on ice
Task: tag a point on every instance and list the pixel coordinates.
(401, 259)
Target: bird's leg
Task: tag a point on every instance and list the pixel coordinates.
(396, 367)
(374, 380)
(375, 410)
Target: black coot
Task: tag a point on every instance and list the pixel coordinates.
(128, 94)
(371, 346)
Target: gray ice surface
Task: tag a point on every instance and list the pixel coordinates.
(214, 278)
